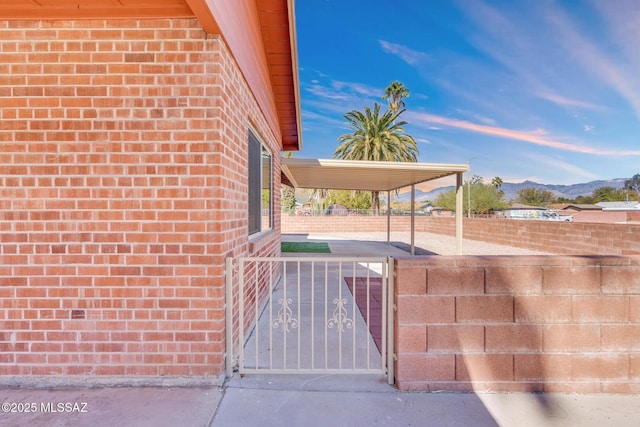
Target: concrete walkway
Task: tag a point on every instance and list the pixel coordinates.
(310, 321)
(306, 401)
(361, 401)
(109, 407)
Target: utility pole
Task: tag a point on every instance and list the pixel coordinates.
(469, 188)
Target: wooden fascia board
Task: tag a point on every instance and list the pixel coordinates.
(202, 12)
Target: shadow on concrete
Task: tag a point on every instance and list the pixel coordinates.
(407, 248)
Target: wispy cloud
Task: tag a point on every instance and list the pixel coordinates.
(327, 100)
(477, 117)
(598, 60)
(312, 120)
(623, 20)
(537, 137)
(342, 90)
(334, 98)
(547, 53)
(568, 102)
(325, 92)
(408, 55)
(550, 162)
(357, 88)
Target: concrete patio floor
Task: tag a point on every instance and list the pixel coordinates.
(425, 243)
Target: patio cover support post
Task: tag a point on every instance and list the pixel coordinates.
(388, 216)
(459, 213)
(413, 218)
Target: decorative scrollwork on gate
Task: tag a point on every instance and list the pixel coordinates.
(339, 318)
(285, 318)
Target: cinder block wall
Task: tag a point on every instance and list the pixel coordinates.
(553, 324)
(569, 238)
(557, 237)
(123, 153)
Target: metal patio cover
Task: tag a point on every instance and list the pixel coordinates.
(363, 175)
(374, 176)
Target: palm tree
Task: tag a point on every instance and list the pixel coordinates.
(376, 137)
(395, 93)
(496, 182)
(319, 195)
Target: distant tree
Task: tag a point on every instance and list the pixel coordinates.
(633, 183)
(376, 137)
(477, 179)
(534, 197)
(447, 200)
(497, 182)
(288, 193)
(354, 200)
(564, 200)
(583, 200)
(394, 94)
(610, 194)
(484, 198)
(319, 197)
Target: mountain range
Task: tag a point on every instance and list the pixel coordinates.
(511, 189)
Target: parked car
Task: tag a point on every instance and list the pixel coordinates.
(553, 216)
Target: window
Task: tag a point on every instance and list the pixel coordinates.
(260, 191)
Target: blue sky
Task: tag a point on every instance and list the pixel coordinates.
(537, 90)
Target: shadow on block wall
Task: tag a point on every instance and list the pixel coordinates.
(532, 324)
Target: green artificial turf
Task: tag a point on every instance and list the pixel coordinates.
(310, 247)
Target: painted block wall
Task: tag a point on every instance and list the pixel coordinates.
(552, 324)
(123, 156)
(556, 237)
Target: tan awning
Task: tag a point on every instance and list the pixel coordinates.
(374, 176)
(363, 175)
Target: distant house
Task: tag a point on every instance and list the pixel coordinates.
(619, 206)
(439, 211)
(520, 211)
(574, 207)
(604, 212)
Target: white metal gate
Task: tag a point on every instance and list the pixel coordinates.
(311, 315)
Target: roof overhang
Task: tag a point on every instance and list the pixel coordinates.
(277, 26)
(277, 19)
(363, 175)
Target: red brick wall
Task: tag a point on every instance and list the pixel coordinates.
(123, 148)
(552, 324)
(558, 237)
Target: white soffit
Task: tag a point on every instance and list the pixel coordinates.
(363, 175)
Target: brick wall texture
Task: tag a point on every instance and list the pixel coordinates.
(123, 158)
(569, 238)
(552, 324)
